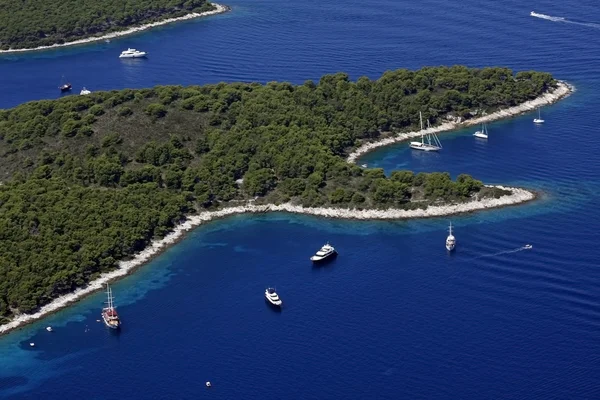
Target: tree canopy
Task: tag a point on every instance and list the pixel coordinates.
(89, 180)
(33, 23)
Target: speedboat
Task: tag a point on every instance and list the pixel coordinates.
(324, 253)
(528, 246)
(84, 91)
(450, 240)
(272, 297)
(132, 53)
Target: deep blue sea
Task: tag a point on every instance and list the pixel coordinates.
(394, 316)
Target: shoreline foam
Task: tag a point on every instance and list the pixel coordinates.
(563, 90)
(124, 268)
(218, 10)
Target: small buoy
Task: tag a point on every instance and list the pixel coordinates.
(32, 344)
(208, 384)
(49, 329)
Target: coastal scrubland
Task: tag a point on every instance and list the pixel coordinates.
(90, 180)
(29, 24)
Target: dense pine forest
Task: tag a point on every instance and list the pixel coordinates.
(33, 23)
(89, 180)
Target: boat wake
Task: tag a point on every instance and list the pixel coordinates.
(564, 20)
(518, 249)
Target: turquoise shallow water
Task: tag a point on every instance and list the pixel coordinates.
(393, 316)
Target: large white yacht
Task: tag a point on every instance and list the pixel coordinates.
(432, 144)
(324, 253)
(450, 240)
(272, 297)
(84, 91)
(132, 53)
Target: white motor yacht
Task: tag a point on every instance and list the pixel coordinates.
(272, 297)
(450, 240)
(84, 91)
(132, 53)
(324, 253)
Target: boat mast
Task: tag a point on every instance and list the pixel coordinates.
(421, 120)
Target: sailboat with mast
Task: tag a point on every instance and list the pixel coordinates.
(432, 144)
(109, 313)
(450, 240)
(483, 133)
(539, 119)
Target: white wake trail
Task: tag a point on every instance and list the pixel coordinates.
(502, 252)
(564, 20)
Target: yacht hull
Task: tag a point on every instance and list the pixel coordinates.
(480, 135)
(424, 148)
(319, 259)
(109, 325)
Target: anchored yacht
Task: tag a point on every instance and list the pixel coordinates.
(539, 119)
(324, 253)
(272, 297)
(132, 53)
(450, 240)
(483, 133)
(109, 313)
(84, 91)
(432, 144)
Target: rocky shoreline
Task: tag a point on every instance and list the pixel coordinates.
(562, 90)
(219, 9)
(518, 196)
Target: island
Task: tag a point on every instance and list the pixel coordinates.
(43, 24)
(94, 185)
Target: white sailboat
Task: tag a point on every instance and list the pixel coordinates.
(483, 133)
(450, 240)
(539, 119)
(433, 143)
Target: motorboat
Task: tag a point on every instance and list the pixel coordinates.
(132, 53)
(272, 297)
(483, 133)
(324, 253)
(528, 247)
(84, 91)
(49, 329)
(450, 240)
(432, 144)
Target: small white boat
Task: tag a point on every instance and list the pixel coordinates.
(433, 143)
(364, 165)
(49, 328)
(528, 246)
(483, 133)
(32, 344)
(324, 253)
(272, 297)
(539, 119)
(132, 53)
(450, 240)
(208, 384)
(84, 91)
